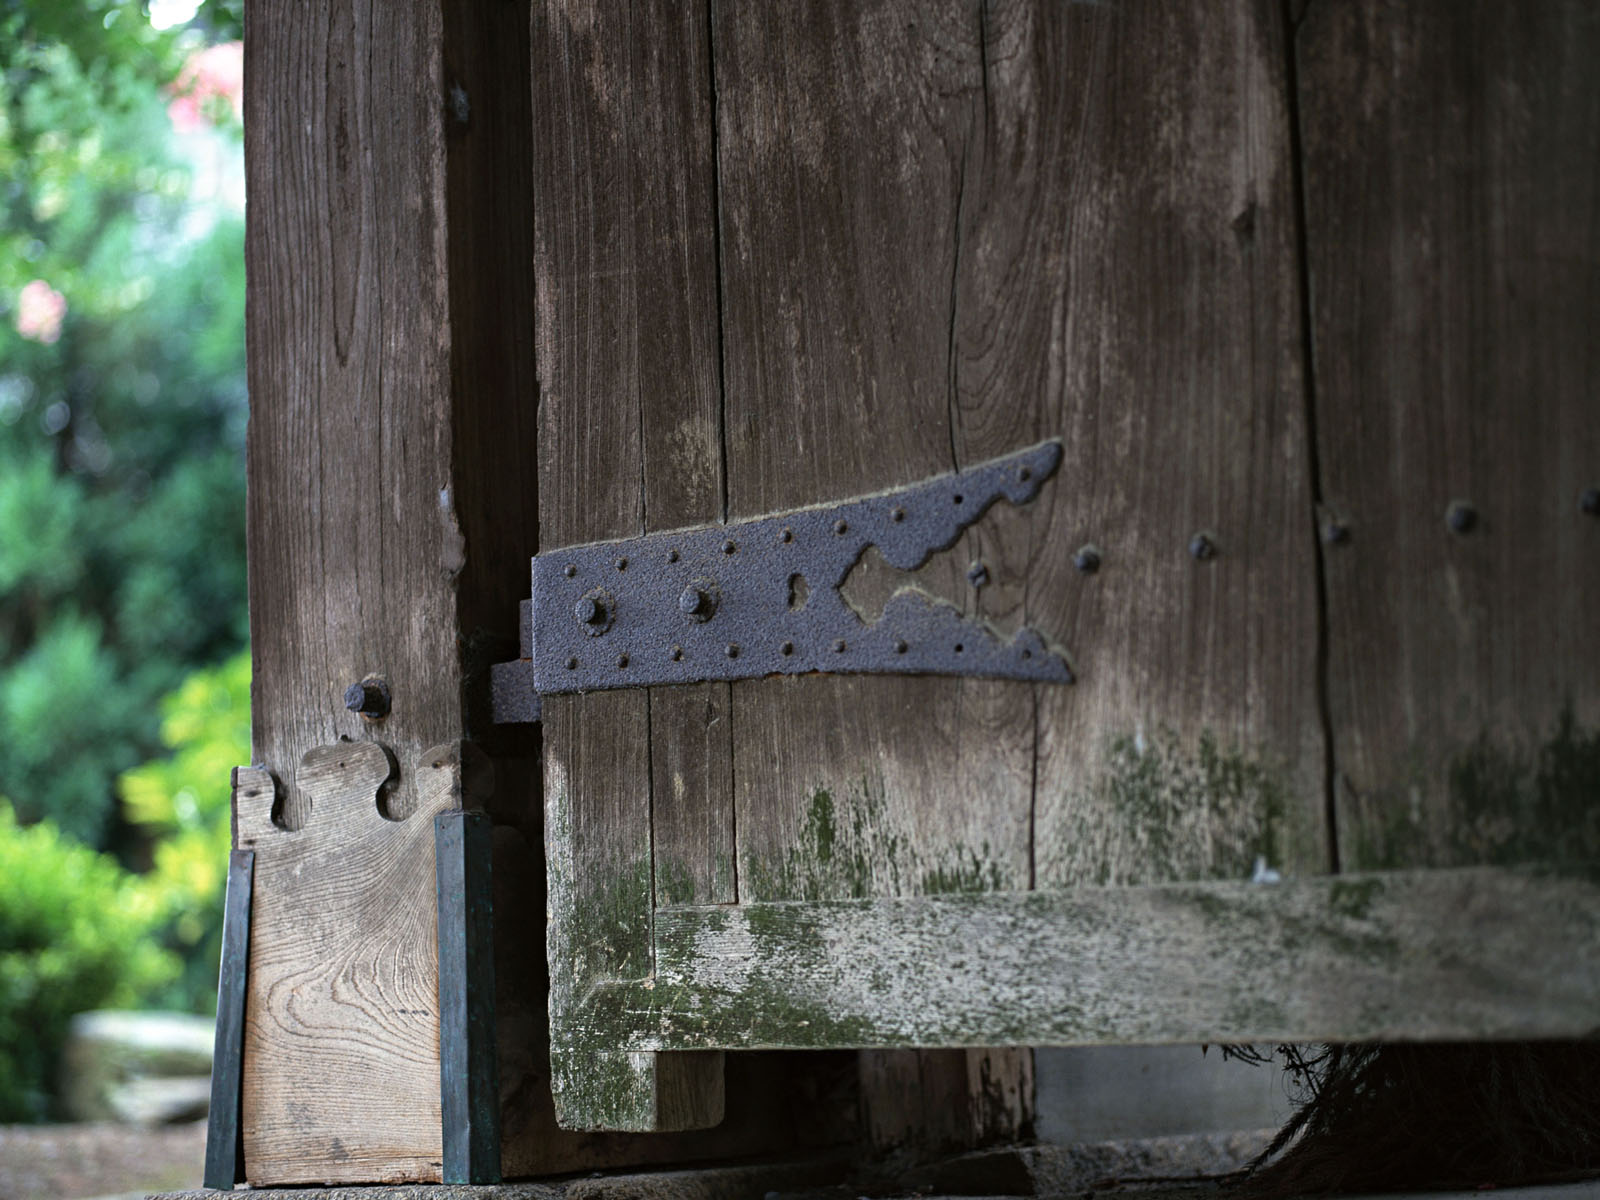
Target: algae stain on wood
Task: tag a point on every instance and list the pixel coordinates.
(1507, 805)
(848, 847)
(1163, 808)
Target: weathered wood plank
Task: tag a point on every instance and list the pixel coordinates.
(1451, 184)
(627, 371)
(341, 1050)
(848, 136)
(1451, 953)
(352, 538)
(1138, 221)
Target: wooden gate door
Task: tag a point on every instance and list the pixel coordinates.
(1306, 298)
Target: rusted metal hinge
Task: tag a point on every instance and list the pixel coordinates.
(762, 597)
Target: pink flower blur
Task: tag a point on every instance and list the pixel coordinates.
(39, 311)
(215, 73)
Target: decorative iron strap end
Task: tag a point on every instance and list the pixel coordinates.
(762, 597)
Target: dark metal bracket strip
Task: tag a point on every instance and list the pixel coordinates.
(761, 597)
(224, 1135)
(469, 1088)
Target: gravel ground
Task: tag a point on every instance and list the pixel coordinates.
(68, 1162)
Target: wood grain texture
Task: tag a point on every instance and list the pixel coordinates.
(626, 309)
(848, 138)
(1352, 958)
(1451, 185)
(353, 540)
(341, 1059)
(1136, 228)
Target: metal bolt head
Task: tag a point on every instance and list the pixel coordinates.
(728, 547)
(1202, 547)
(595, 611)
(900, 647)
(698, 601)
(569, 570)
(978, 575)
(1461, 517)
(841, 526)
(370, 698)
(622, 660)
(1087, 559)
(732, 651)
(838, 646)
(1589, 502)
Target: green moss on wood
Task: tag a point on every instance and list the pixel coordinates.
(848, 849)
(1503, 805)
(1167, 808)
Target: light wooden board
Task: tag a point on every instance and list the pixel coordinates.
(848, 138)
(626, 303)
(341, 1051)
(1451, 953)
(1452, 180)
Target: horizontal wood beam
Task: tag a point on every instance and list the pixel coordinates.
(1441, 954)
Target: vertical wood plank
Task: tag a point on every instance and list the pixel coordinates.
(352, 540)
(353, 550)
(1141, 232)
(627, 373)
(1451, 187)
(847, 138)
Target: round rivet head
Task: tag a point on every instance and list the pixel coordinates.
(838, 646)
(897, 515)
(1086, 559)
(1589, 502)
(622, 564)
(622, 660)
(594, 611)
(732, 651)
(786, 649)
(672, 556)
(900, 647)
(1202, 548)
(677, 653)
(370, 698)
(841, 527)
(569, 570)
(572, 664)
(978, 575)
(728, 547)
(787, 535)
(1461, 517)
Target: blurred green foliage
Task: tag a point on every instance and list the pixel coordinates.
(184, 801)
(75, 933)
(121, 409)
(124, 692)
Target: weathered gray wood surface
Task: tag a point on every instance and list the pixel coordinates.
(628, 371)
(847, 139)
(341, 1066)
(1452, 180)
(353, 545)
(943, 231)
(392, 510)
(1142, 289)
(1460, 953)
(352, 535)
